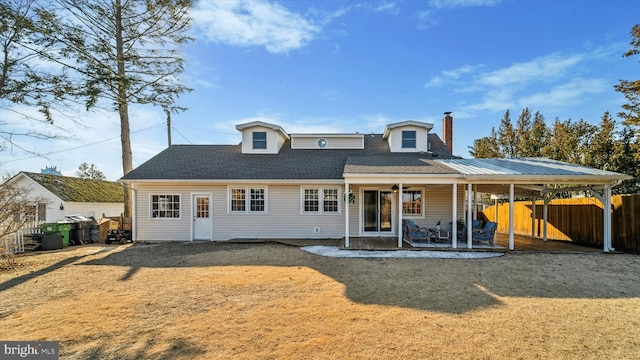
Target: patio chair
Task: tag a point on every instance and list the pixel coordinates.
(442, 236)
(475, 225)
(412, 232)
(486, 233)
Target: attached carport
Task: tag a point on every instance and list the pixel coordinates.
(534, 178)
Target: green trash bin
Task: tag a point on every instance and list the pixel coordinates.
(63, 228)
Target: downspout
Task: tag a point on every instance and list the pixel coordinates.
(134, 228)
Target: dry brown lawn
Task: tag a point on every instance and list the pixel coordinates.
(274, 301)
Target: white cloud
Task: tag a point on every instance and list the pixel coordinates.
(425, 19)
(493, 100)
(570, 93)
(254, 23)
(447, 75)
(541, 69)
(435, 81)
(388, 7)
(449, 4)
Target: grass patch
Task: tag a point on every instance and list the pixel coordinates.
(273, 301)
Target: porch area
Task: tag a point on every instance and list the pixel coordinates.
(501, 243)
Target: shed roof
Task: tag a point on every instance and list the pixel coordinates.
(75, 189)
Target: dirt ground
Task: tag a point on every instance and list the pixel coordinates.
(275, 301)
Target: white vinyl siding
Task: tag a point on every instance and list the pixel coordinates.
(355, 141)
(284, 220)
(397, 140)
(273, 142)
(97, 210)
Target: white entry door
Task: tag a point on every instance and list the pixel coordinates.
(201, 217)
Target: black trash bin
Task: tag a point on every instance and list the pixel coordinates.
(95, 233)
(80, 232)
(51, 242)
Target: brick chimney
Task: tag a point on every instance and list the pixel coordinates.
(447, 130)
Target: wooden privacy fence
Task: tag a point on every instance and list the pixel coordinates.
(578, 220)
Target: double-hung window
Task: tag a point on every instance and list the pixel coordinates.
(408, 139)
(320, 201)
(247, 200)
(165, 206)
(412, 202)
(260, 140)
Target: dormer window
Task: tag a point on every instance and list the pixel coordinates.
(408, 139)
(259, 140)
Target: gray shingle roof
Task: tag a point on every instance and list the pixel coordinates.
(227, 162)
(395, 164)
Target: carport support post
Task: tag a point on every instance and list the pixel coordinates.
(511, 216)
(346, 215)
(605, 199)
(607, 218)
(400, 215)
(533, 217)
(545, 215)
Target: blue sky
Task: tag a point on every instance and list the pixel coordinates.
(350, 66)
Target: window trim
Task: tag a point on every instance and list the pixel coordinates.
(258, 141)
(321, 210)
(164, 218)
(421, 215)
(247, 199)
(414, 139)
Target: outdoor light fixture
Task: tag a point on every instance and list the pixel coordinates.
(394, 188)
(61, 206)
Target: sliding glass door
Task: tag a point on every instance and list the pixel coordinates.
(377, 211)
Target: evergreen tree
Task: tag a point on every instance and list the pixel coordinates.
(600, 154)
(126, 52)
(631, 88)
(624, 161)
(569, 141)
(26, 80)
(538, 136)
(523, 134)
(486, 147)
(506, 137)
(89, 171)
